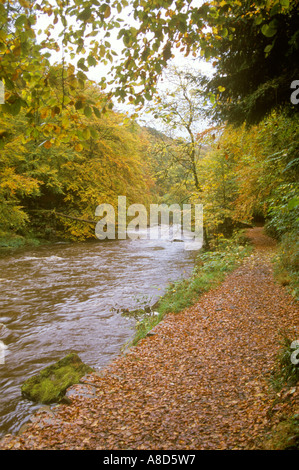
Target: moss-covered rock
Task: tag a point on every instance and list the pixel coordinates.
(50, 385)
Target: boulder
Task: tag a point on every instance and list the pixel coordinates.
(50, 385)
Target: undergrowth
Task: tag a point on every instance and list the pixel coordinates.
(286, 263)
(10, 241)
(284, 433)
(286, 371)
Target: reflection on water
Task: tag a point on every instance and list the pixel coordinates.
(61, 298)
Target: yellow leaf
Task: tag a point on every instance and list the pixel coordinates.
(24, 3)
(44, 113)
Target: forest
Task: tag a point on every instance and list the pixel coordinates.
(65, 147)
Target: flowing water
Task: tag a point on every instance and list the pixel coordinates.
(62, 298)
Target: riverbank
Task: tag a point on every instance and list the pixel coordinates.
(11, 242)
(200, 380)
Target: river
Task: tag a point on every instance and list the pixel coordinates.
(61, 298)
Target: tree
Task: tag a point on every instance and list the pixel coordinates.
(253, 173)
(53, 179)
(257, 59)
(181, 108)
(253, 46)
(31, 82)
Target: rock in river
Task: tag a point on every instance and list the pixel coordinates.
(50, 385)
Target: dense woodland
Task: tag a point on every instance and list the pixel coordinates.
(65, 147)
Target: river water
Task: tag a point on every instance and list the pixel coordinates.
(61, 298)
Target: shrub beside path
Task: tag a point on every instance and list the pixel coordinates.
(200, 380)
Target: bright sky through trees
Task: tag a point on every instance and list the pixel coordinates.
(97, 72)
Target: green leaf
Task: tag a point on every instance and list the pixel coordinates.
(212, 98)
(276, 9)
(269, 30)
(86, 133)
(167, 51)
(224, 32)
(107, 12)
(81, 64)
(88, 111)
(102, 50)
(158, 68)
(293, 203)
(20, 21)
(97, 112)
(85, 14)
(81, 76)
(269, 48)
(258, 20)
(80, 135)
(79, 105)
(91, 61)
(13, 108)
(94, 133)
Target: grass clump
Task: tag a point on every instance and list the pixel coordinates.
(286, 372)
(285, 435)
(210, 269)
(50, 385)
(10, 241)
